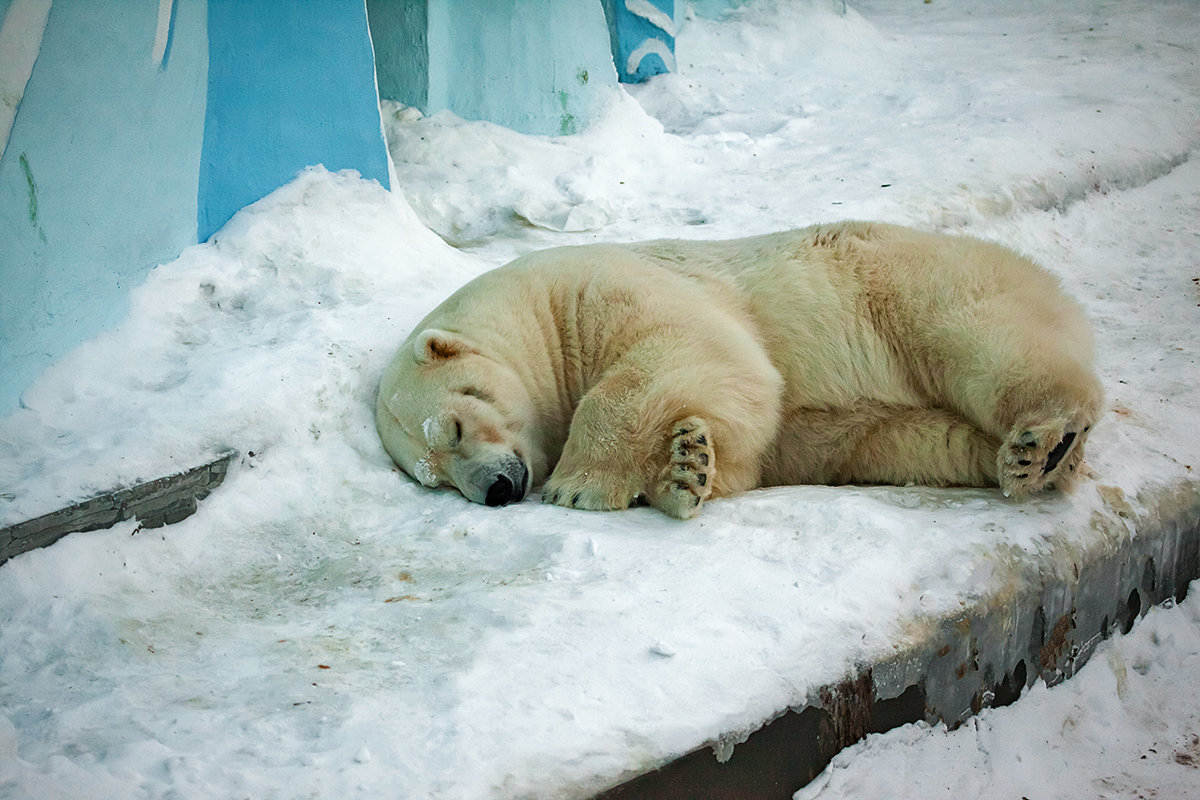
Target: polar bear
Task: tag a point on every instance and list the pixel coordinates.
(668, 372)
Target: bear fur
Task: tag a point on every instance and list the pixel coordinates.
(669, 372)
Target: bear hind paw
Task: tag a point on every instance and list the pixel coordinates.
(686, 481)
(1033, 458)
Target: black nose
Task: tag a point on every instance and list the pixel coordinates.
(501, 492)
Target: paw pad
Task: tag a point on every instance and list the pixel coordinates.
(1039, 456)
(685, 481)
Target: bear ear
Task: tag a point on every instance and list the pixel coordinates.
(435, 344)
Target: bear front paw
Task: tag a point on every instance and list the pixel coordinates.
(588, 492)
(686, 481)
(1036, 457)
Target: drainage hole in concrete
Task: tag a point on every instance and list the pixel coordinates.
(1009, 689)
(1133, 607)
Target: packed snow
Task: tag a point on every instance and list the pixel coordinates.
(325, 626)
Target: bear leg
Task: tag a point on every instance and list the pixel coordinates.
(645, 431)
(600, 465)
(987, 333)
(882, 443)
(1039, 398)
(1043, 419)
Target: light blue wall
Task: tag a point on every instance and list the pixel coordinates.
(536, 66)
(134, 140)
(98, 181)
(291, 83)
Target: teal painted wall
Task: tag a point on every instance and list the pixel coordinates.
(400, 34)
(536, 66)
(98, 181)
(531, 65)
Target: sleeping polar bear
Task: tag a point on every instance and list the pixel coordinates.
(669, 372)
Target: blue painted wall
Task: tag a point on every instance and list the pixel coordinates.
(134, 140)
(290, 83)
(98, 181)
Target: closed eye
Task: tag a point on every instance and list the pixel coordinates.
(478, 394)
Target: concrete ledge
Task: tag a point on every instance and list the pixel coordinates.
(163, 501)
(1044, 622)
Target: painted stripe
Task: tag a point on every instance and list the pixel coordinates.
(648, 47)
(162, 32)
(20, 42)
(654, 15)
(391, 166)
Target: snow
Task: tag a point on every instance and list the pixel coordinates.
(324, 626)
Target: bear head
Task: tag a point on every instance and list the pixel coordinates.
(451, 415)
